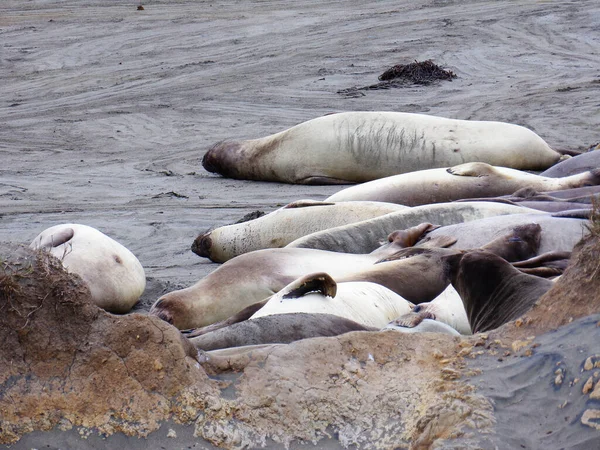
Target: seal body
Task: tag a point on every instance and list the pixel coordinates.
(577, 164)
(459, 182)
(355, 147)
(365, 236)
(284, 225)
(366, 303)
(113, 274)
(253, 277)
(277, 329)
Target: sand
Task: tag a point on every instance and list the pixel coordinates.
(106, 111)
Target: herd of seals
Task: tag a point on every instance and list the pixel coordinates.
(447, 233)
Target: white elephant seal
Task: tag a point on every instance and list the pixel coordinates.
(113, 274)
(255, 276)
(366, 303)
(282, 226)
(464, 181)
(355, 147)
(365, 236)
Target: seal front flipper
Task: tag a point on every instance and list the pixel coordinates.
(315, 282)
(322, 180)
(306, 203)
(241, 316)
(473, 169)
(410, 320)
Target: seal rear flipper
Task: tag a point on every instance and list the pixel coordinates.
(56, 239)
(244, 314)
(315, 282)
(472, 169)
(412, 235)
(493, 291)
(542, 259)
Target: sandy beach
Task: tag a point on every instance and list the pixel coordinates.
(106, 110)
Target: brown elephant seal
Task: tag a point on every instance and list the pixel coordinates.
(365, 236)
(571, 166)
(255, 276)
(283, 226)
(369, 304)
(355, 147)
(277, 329)
(464, 181)
(493, 291)
(113, 274)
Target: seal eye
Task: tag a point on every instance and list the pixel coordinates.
(417, 308)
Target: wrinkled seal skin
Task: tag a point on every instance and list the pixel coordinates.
(355, 147)
(113, 274)
(464, 181)
(493, 291)
(284, 225)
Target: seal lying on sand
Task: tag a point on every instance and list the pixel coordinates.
(254, 276)
(113, 274)
(282, 226)
(354, 147)
(365, 236)
(366, 303)
(459, 182)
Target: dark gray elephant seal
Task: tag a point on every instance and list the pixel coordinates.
(277, 329)
(464, 181)
(354, 147)
(493, 291)
(572, 166)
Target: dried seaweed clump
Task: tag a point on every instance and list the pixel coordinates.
(418, 72)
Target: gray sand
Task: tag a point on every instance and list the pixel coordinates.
(106, 111)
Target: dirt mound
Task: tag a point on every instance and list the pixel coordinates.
(68, 363)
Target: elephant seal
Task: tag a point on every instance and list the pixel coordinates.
(277, 329)
(369, 304)
(447, 308)
(577, 164)
(557, 233)
(459, 182)
(253, 277)
(284, 225)
(493, 291)
(365, 236)
(355, 147)
(113, 274)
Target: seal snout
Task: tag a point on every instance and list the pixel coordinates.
(202, 245)
(222, 158)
